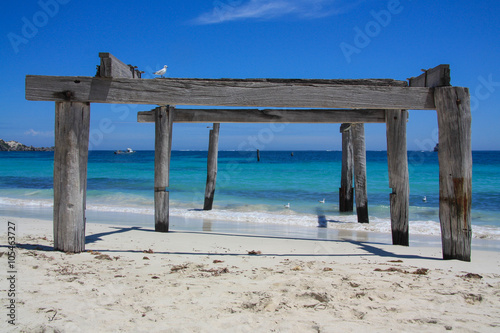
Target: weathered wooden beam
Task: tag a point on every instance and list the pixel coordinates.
(213, 152)
(435, 77)
(270, 116)
(346, 198)
(163, 148)
(397, 158)
(359, 151)
(228, 92)
(455, 171)
(112, 67)
(72, 123)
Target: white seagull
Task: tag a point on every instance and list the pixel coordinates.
(424, 199)
(161, 71)
(322, 201)
(287, 205)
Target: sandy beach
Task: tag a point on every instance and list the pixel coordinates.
(132, 279)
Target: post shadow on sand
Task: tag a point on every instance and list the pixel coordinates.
(88, 239)
(370, 248)
(97, 237)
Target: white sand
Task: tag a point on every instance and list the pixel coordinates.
(206, 282)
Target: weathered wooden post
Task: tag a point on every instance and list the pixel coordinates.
(359, 150)
(213, 152)
(397, 160)
(346, 198)
(72, 123)
(163, 146)
(455, 170)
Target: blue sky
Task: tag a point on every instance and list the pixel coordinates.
(324, 39)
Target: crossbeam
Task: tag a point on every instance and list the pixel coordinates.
(438, 76)
(358, 94)
(270, 116)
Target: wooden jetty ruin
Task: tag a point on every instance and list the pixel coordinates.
(348, 102)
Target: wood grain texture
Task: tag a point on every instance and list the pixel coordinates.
(112, 67)
(438, 76)
(229, 92)
(163, 148)
(346, 199)
(397, 158)
(271, 116)
(72, 123)
(213, 153)
(455, 171)
(360, 190)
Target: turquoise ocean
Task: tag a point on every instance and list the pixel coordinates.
(249, 191)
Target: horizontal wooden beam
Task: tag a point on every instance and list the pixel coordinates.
(435, 77)
(112, 67)
(230, 92)
(270, 116)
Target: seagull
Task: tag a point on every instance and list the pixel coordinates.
(424, 199)
(161, 71)
(287, 205)
(322, 201)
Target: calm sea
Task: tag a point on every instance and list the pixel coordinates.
(253, 192)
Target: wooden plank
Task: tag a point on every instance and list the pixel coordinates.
(228, 92)
(213, 152)
(435, 77)
(455, 171)
(271, 116)
(72, 123)
(112, 67)
(163, 148)
(359, 151)
(346, 199)
(397, 158)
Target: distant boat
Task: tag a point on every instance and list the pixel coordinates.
(128, 151)
(436, 148)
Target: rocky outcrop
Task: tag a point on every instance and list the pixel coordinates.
(16, 146)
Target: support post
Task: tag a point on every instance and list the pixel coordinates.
(163, 145)
(397, 160)
(213, 152)
(346, 198)
(72, 123)
(359, 149)
(455, 171)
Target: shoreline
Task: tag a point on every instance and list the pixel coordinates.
(197, 219)
(134, 279)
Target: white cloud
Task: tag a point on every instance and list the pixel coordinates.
(32, 132)
(233, 10)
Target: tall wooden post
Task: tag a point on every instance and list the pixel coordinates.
(359, 150)
(397, 160)
(163, 146)
(213, 152)
(72, 123)
(455, 170)
(346, 198)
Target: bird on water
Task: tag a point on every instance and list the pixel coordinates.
(161, 71)
(287, 205)
(322, 201)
